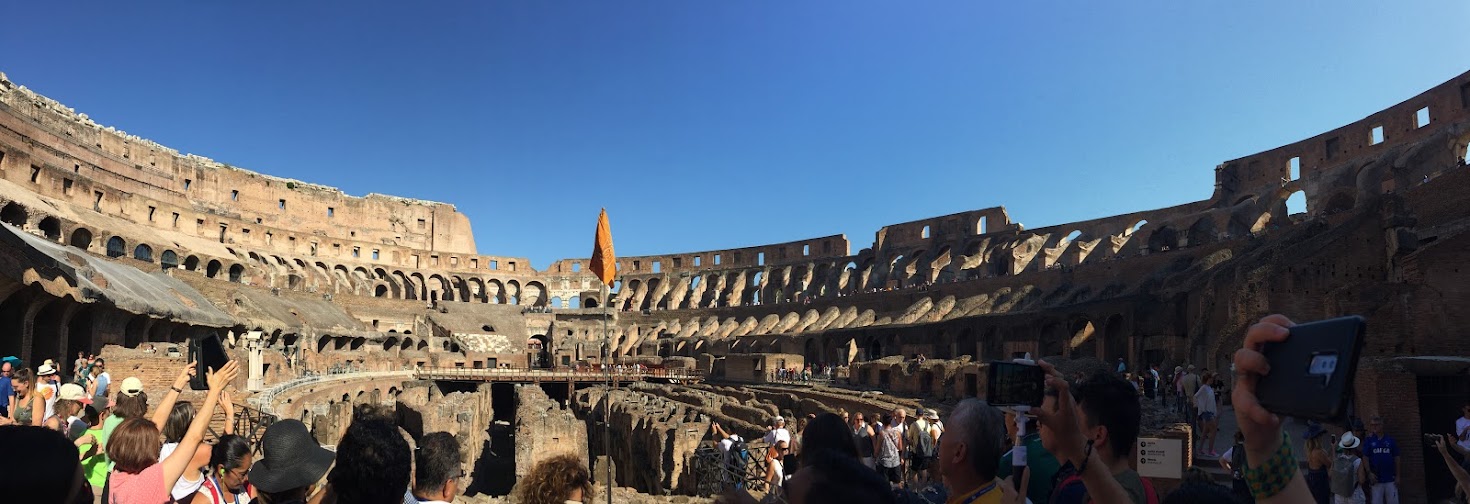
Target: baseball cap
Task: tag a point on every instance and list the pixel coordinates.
(74, 392)
(131, 386)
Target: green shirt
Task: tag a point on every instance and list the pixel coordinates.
(97, 466)
(1042, 464)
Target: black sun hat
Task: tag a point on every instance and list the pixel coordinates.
(290, 458)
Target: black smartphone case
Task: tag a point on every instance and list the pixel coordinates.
(1291, 390)
(205, 360)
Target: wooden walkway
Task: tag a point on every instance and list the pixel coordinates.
(562, 375)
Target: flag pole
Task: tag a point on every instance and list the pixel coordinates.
(607, 404)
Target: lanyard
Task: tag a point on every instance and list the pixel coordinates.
(980, 493)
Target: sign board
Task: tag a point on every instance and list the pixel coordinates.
(1161, 458)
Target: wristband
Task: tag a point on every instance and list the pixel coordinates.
(177, 389)
(1272, 477)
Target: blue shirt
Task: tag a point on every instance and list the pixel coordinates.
(6, 390)
(1381, 452)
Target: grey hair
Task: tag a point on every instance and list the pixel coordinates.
(982, 429)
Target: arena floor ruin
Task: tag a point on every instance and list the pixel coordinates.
(116, 244)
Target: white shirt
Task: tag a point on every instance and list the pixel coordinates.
(778, 435)
(50, 399)
(1204, 399)
(183, 488)
(726, 443)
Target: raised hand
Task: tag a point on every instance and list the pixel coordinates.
(1262, 428)
(1062, 419)
(185, 374)
(221, 378)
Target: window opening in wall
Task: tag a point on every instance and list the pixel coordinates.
(97, 202)
(697, 260)
(453, 261)
(268, 237)
(356, 251)
(1333, 145)
(151, 210)
(223, 230)
(806, 250)
(511, 265)
(980, 226)
(678, 262)
(66, 186)
(337, 249)
(331, 212)
(423, 224)
(176, 220)
(198, 226)
(474, 263)
(375, 254)
(352, 234)
(414, 259)
(576, 266)
(35, 173)
(281, 204)
(1294, 168)
(245, 234)
(433, 260)
(313, 249)
(187, 183)
(925, 233)
(1421, 117)
(75, 168)
(1375, 135)
(760, 258)
(494, 264)
(717, 259)
(1296, 203)
(636, 264)
(234, 195)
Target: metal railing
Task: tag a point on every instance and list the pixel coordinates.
(715, 474)
(558, 374)
(265, 399)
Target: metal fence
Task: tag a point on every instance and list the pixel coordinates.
(265, 399)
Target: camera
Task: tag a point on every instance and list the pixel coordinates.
(1015, 383)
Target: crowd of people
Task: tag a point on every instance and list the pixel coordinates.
(73, 442)
(802, 374)
(1078, 445)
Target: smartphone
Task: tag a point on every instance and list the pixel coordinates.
(1312, 371)
(1010, 383)
(208, 353)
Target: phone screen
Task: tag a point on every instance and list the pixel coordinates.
(208, 353)
(1015, 384)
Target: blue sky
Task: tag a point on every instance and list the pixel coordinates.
(705, 125)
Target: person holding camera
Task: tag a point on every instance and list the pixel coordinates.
(1272, 472)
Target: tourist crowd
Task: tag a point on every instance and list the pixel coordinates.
(1076, 447)
(77, 443)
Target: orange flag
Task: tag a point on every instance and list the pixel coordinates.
(604, 265)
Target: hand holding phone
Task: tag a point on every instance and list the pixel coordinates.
(1015, 383)
(1312, 370)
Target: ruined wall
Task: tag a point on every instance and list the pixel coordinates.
(546, 428)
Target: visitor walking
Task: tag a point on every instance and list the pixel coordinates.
(1205, 402)
(1348, 473)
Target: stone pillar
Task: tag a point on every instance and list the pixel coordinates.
(255, 348)
(63, 335)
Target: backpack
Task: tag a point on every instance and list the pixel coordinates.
(1149, 495)
(736, 459)
(925, 445)
(1344, 477)
(1237, 461)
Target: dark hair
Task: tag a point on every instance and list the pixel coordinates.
(131, 406)
(50, 466)
(436, 462)
(373, 462)
(828, 432)
(91, 415)
(1192, 492)
(25, 376)
(178, 422)
(838, 477)
(134, 445)
(228, 451)
(1112, 403)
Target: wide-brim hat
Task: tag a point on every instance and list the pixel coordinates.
(46, 370)
(290, 458)
(931, 415)
(74, 392)
(1349, 441)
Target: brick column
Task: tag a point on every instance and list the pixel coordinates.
(28, 327)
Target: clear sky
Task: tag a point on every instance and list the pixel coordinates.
(718, 124)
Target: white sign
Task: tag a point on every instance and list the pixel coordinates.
(1161, 458)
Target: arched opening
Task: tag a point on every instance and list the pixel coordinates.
(380, 291)
(1202, 232)
(169, 259)
(236, 271)
(1163, 238)
(1340, 202)
(556, 302)
(191, 263)
(980, 226)
(1296, 203)
(143, 253)
(1138, 225)
(212, 270)
(13, 214)
(51, 228)
(574, 302)
(116, 247)
(538, 350)
(590, 303)
(924, 233)
(80, 238)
